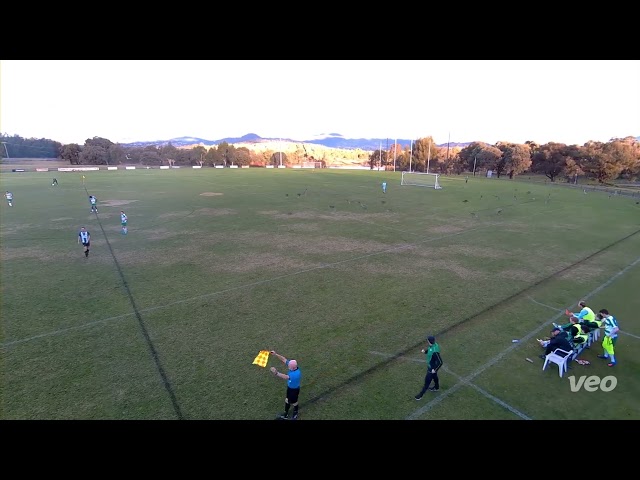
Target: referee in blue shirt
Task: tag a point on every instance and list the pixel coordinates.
(293, 378)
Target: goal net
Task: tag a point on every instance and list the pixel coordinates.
(311, 165)
(420, 179)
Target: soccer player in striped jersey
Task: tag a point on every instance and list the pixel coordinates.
(9, 196)
(84, 237)
(611, 330)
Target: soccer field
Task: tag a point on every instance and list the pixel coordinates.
(323, 267)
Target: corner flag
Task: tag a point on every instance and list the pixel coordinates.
(262, 358)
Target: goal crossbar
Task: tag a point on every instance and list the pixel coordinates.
(421, 179)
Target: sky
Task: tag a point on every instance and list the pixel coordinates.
(564, 101)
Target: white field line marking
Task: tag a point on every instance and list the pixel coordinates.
(545, 305)
(512, 347)
(239, 287)
(206, 295)
(630, 334)
(491, 397)
(199, 297)
(553, 308)
(472, 385)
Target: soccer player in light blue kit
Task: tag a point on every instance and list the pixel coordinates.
(9, 196)
(384, 187)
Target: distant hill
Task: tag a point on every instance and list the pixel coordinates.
(331, 140)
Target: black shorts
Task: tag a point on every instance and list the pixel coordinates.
(86, 244)
(292, 395)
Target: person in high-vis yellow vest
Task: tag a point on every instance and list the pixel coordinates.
(586, 317)
(577, 333)
(585, 312)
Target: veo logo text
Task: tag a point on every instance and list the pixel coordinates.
(592, 383)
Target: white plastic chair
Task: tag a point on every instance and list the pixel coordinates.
(555, 357)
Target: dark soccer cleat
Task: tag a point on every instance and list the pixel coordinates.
(418, 397)
(433, 389)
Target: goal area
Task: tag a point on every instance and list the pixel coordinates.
(420, 179)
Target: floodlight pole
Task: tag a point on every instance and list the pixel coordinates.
(429, 156)
(448, 142)
(387, 155)
(410, 154)
(5, 148)
(475, 159)
(395, 149)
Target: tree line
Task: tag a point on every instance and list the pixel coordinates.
(602, 161)
(616, 159)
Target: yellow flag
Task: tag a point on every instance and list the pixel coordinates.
(262, 358)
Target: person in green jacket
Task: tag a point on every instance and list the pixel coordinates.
(434, 362)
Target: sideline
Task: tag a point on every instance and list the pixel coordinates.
(560, 310)
(444, 394)
(472, 385)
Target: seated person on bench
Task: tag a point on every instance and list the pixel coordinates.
(578, 334)
(585, 316)
(559, 339)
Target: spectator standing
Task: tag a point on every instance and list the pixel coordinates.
(434, 362)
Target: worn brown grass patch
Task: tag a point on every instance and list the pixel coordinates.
(183, 213)
(215, 212)
(520, 275)
(317, 244)
(300, 227)
(459, 250)
(161, 234)
(446, 229)
(418, 267)
(16, 228)
(328, 216)
(116, 203)
(582, 273)
(36, 253)
(272, 261)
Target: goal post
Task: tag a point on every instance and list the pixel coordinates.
(420, 179)
(311, 165)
